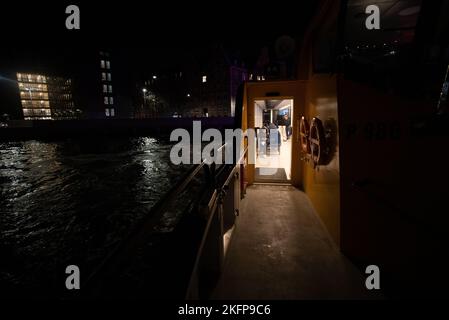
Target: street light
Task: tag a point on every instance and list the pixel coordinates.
(144, 93)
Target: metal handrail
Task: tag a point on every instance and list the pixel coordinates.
(212, 210)
(141, 229)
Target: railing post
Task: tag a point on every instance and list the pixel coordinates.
(211, 255)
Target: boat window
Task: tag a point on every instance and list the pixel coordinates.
(384, 58)
(324, 50)
(397, 22)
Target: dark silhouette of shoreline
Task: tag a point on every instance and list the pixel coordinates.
(61, 129)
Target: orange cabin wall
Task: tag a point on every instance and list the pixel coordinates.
(322, 184)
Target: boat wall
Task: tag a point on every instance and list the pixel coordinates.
(391, 201)
(322, 184)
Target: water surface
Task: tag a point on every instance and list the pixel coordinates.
(70, 202)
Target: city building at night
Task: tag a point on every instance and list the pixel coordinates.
(203, 85)
(163, 94)
(214, 83)
(46, 97)
(106, 84)
(42, 85)
(103, 88)
(276, 61)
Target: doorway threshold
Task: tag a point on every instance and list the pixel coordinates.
(272, 183)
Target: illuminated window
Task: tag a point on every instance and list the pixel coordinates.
(106, 112)
(102, 64)
(204, 79)
(103, 76)
(112, 112)
(109, 77)
(110, 88)
(111, 100)
(106, 100)
(105, 88)
(108, 65)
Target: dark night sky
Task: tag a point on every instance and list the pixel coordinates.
(155, 33)
(159, 31)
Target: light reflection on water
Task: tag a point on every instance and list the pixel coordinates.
(69, 202)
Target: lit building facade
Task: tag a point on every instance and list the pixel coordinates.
(204, 83)
(46, 97)
(45, 84)
(106, 84)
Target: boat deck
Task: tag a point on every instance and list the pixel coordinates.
(281, 250)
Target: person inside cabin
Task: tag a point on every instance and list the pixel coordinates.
(266, 125)
(284, 124)
(288, 127)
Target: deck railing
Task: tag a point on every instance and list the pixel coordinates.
(216, 213)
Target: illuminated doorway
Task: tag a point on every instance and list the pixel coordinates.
(273, 125)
